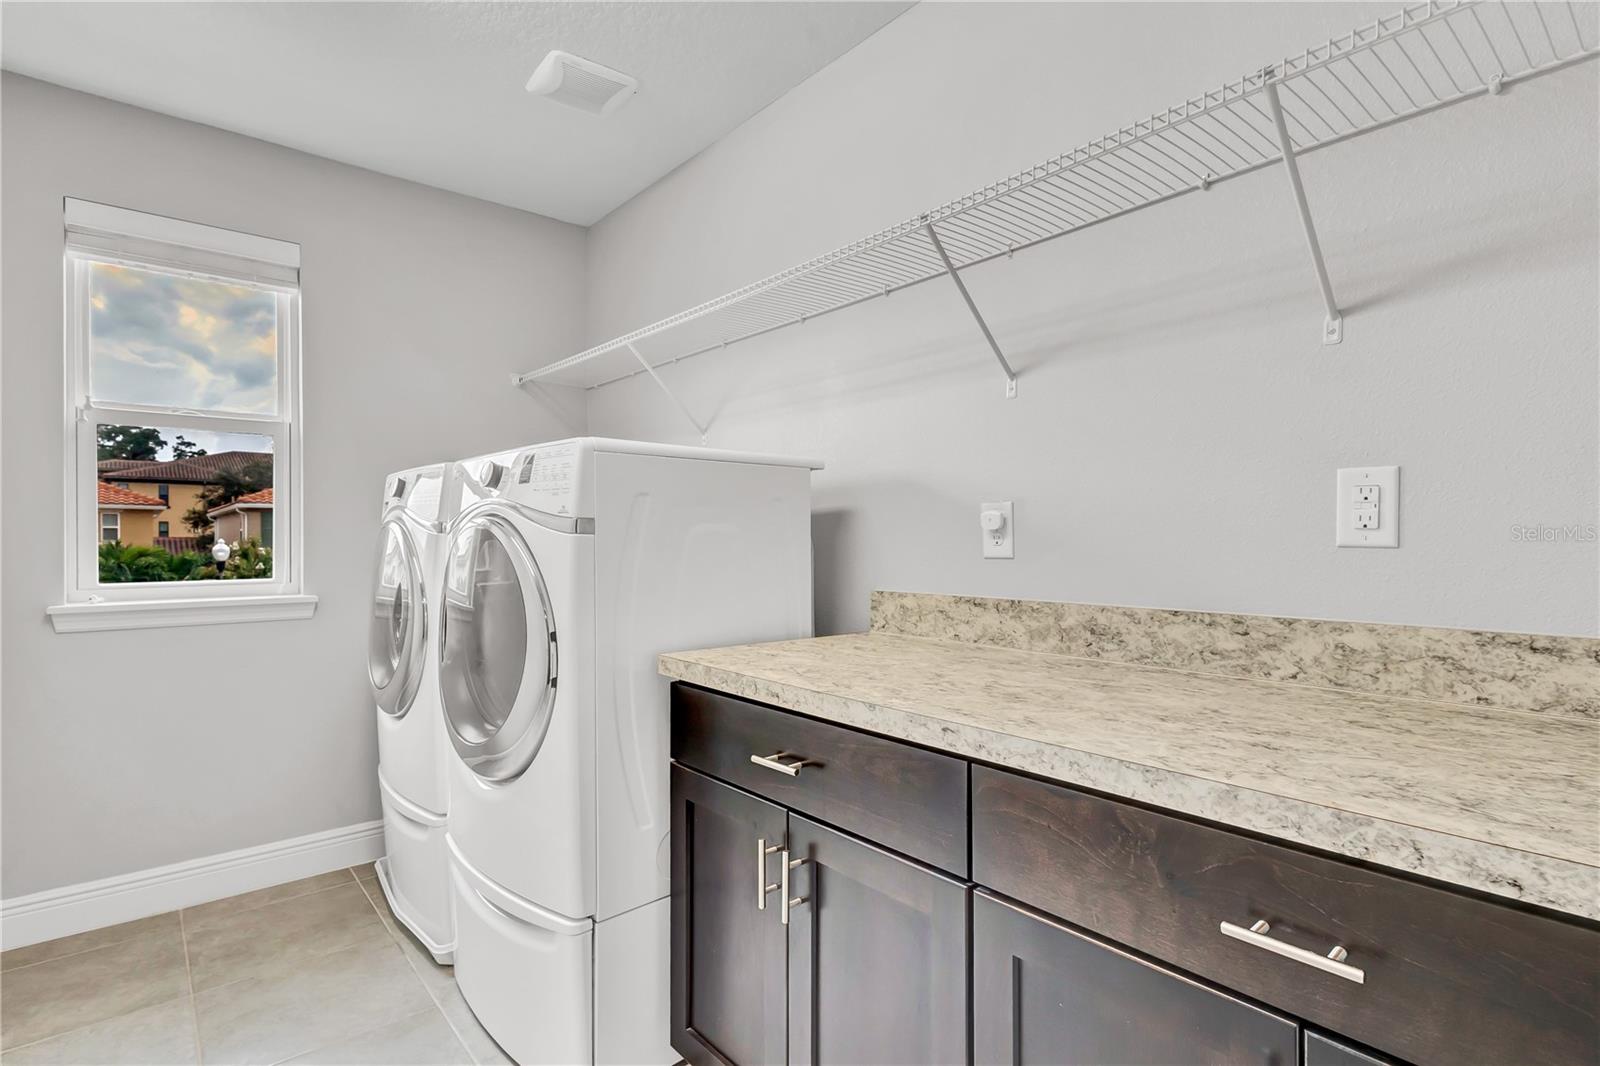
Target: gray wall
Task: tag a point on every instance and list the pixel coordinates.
(1179, 425)
(124, 751)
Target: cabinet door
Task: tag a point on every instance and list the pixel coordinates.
(877, 955)
(1044, 993)
(727, 941)
(1326, 1051)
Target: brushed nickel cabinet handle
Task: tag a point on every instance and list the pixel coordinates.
(783, 894)
(762, 888)
(1333, 962)
(791, 768)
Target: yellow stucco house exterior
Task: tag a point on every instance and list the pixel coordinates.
(143, 501)
(126, 516)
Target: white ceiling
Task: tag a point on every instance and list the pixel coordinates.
(433, 92)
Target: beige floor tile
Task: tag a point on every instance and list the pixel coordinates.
(207, 914)
(424, 1039)
(162, 1035)
(95, 938)
(374, 890)
(485, 1052)
(365, 872)
(434, 975)
(326, 999)
(53, 997)
(274, 940)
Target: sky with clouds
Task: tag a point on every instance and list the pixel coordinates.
(181, 342)
(213, 442)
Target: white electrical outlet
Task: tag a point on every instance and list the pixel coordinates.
(994, 519)
(1367, 507)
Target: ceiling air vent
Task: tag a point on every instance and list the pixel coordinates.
(582, 83)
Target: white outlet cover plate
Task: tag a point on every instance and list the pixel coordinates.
(1003, 545)
(1387, 535)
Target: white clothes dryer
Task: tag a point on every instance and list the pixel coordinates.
(570, 569)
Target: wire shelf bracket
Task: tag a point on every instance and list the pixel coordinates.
(1423, 58)
(955, 276)
(682, 407)
(1333, 324)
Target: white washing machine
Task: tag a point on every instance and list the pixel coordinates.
(578, 563)
(402, 655)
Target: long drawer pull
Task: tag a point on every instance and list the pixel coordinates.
(771, 762)
(1333, 962)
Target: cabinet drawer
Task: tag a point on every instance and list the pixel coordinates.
(1046, 995)
(1447, 977)
(904, 798)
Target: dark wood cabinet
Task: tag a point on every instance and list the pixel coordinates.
(877, 955)
(1098, 931)
(728, 955)
(1045, 994)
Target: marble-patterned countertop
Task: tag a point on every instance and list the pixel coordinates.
(1505, 801)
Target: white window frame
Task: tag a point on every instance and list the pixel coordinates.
(98, 233)
(116, 520)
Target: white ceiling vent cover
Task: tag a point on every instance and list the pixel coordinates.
(582, 83)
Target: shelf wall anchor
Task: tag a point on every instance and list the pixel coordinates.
(648, 369)
(950, 268)
(1333, 325)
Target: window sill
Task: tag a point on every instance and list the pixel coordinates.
(163, 614)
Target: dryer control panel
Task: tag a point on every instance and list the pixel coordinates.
(549, 477)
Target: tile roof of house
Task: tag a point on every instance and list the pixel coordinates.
(249, 500)
(111, 496)
(199, 470)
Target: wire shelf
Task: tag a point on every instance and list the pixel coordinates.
(1424, 57)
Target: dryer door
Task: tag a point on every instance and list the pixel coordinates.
(497, 659)
(397, 639)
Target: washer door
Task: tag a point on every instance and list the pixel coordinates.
(398, 637)
(497, 649)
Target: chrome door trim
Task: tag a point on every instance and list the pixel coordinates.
(396, 701)
(496, 760)
(557, 523)
(420, 524)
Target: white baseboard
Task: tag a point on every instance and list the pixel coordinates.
(59, 912)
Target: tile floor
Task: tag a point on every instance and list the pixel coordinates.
(314, 971)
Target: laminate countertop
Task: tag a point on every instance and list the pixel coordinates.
(1504, 801)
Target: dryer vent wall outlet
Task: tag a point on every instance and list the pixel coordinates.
(582, 83)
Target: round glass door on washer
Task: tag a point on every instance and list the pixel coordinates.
(497, 662)
(398, 637)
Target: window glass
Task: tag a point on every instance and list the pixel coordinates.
(173, 341)
(109, 527)
(486, 645)
(218, 488)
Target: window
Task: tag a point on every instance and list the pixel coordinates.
(183, 364)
